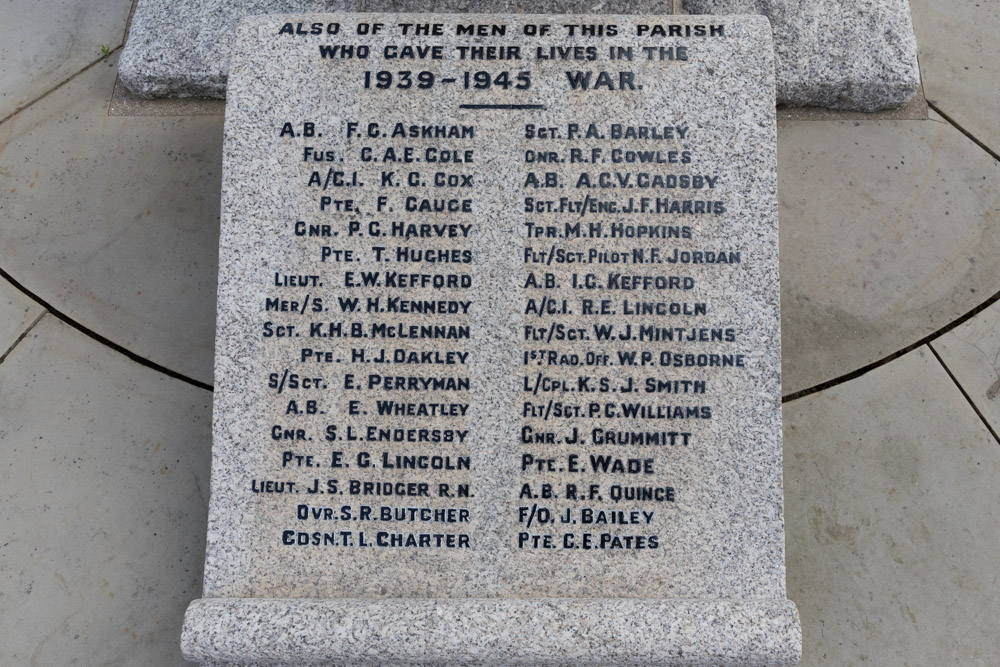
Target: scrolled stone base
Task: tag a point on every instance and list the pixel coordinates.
(546, 631)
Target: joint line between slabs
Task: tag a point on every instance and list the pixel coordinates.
(968, 398)
(926, 340)
(107, 342)
(972, 137)
(59, 85)
(24, 334)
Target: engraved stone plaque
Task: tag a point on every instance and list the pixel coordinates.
(497, 363)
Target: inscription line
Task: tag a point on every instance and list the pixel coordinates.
(501, 106)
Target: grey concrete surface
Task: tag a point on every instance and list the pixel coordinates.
(104, 491)
(972, 353)
(17, 313)
(960, 59)
(889, 231)
(114, 221)
(892, 507)
(44, 43)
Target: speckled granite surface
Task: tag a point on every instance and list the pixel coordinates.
(572, 469)
(180, 48)
(493, 632)
(859, 55)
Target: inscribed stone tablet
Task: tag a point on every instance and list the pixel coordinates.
(498, 343)
(180, 48)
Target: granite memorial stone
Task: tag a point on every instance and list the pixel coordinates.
(858, 55)
(497, 362)
(181, 48)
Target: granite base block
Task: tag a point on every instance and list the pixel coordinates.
(544, 631)
(856, 55)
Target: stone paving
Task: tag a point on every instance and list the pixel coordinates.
(891, 356)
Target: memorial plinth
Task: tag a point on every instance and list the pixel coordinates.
(497, 362)
(858, 55)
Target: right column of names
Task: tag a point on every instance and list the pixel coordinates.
(620, 337)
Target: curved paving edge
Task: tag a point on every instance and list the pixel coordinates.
(18, 314)
(889, 358)
(114, 221)
(8, 282)
(889, 232)
(546, 631)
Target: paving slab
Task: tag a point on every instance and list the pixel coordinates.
(959, 57)
(859, 55)
(17, 312)
(889, 232)
(114, 221)
(44, 43)
(892, 505)
(104, 496)
(180, 48)
(972, 353)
